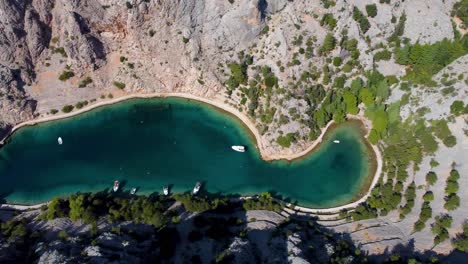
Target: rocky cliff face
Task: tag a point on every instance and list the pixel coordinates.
(190, 46)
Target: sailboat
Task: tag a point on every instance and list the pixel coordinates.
(59, 140)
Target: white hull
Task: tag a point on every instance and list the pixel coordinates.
(238, 148)
(60, 141)
(133, 191)
(336, 141)
(116, 186)
(197, 188)
(166, 191)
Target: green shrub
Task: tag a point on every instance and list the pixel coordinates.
(452, 202)
(61, 51)
(457, 108)
(461, 241)
(431, 178)
(53, 111)
(460, 9)
(65, 75)
(328, 44)
(347, 68)
(336, 61)
(361, 19)
(263, 202)
(81, 104)
(285, 141)
(67, 108)
(185, 40)
(328, 3)
(83, 83)
(328, 20)
(119, 85)
(382, 55)
(371, 10)
(428, 196)
(193, 203)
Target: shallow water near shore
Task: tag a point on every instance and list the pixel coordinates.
(150, 143)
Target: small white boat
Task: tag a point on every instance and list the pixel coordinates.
(59, 140)
(133, 191)
(116, 186)
(166, 190)
(336, 141)
(238, 148)
(197, 187)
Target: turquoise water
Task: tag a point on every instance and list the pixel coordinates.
(149, 143)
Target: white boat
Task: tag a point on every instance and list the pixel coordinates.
(197, 187)
(59, 140)
(116, 186)
(133, 191)
(238, 148)
(166, 190)
(336, 141)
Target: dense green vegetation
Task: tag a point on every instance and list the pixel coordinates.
(197, 204)
(458, 108)
(363, 22)
(382, 55)
(89, 207)
(329, 21)
(371, 10)
(410, 195)
(286, 140)
(425, 60)
(328, 44)
(461, 241)
(460, 9)
(424, 215)
(262, 202)
(431, 178)
(452, 200)
(439, 228)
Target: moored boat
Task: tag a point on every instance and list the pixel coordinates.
(116, 186)
(59, 140)
(133, 191)
(197, 187)
(166, 190)
(238, 148)
(336, 141)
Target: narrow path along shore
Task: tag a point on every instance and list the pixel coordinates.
(261, 144)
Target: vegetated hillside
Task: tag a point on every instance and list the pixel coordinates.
(118, 227)
(292, 66)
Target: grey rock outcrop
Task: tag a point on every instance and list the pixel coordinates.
(15, 106)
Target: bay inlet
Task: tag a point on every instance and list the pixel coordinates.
(150, 143)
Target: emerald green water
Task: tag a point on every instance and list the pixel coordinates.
(150, 143)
